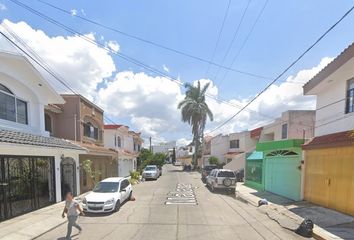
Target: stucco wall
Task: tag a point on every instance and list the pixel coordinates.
(331, 94)
(26, 84)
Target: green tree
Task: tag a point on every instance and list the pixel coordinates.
(195, 111)
(213, 160)
(144, 155)
(87, 165)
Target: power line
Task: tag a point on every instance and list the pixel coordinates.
(121, 55)
(246, 40)
(286, 69)
(150, 42)
(219, 35)
(233, 37)
(39, 61)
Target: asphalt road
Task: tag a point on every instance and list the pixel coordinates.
(215, 216)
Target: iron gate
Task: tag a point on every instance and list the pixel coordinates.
(26, 184)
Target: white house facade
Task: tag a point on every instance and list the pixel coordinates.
(126, 143)
(39, 169)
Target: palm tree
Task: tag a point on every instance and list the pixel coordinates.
(195, 112)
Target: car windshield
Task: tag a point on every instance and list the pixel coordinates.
(150, 168)
(106, 187)
(226, 174)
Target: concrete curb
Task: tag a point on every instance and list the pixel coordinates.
(318, 232)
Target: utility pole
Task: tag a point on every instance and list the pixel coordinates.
(150, 144)
(75, 127)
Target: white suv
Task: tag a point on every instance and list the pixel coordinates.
(222, 179)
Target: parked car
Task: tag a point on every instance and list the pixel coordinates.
(206, 171)
(222, 179)
(151, 172)
(240, 175)
(108, 195)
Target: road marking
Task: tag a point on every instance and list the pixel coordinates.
(182, 195)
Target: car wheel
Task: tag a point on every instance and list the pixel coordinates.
(117, 207)
(233, 191)
(130, 195)
(212, 188)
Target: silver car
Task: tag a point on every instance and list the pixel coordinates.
(151, 172)
(222, 179)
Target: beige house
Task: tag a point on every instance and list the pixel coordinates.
(81, 121)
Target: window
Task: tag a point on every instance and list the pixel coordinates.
(124, 184)
(135, 147)
(115, 141)
(235, 143)
(350, 97)
(90, 131)
(12, 108)
(139, 147)
(48, 122)
(119, 141)
(284, 131)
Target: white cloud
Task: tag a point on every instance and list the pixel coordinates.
(113, 45)
(3, 7)
(83, 12)
(280, 97)
(150, 103)
(73, 12)
(165, 68)
(81, 64)
(183, 142)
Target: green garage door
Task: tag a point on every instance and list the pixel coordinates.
(283, 176)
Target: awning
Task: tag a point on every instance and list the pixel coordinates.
(256, 155)
(331, 140)
(233, 153)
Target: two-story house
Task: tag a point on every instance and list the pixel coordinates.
(241, 144)
(81, 121)
(232, 149)
(276, 165)
(128, 145)
(329, 156)
(36, 169)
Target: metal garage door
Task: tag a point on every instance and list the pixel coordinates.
(125, 166)
(283, 176)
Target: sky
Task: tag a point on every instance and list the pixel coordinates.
(145, 99)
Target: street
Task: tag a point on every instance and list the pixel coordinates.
(216, 215)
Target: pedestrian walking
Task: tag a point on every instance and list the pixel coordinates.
(71, 209)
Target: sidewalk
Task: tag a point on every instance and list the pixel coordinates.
(33, 224)
(329, 224)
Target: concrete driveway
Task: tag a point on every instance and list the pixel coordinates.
(215, 216)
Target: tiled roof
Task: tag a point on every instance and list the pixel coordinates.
(9, 136)
(331, 140)
(341, 59)
(255, 133)
(112, 126)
